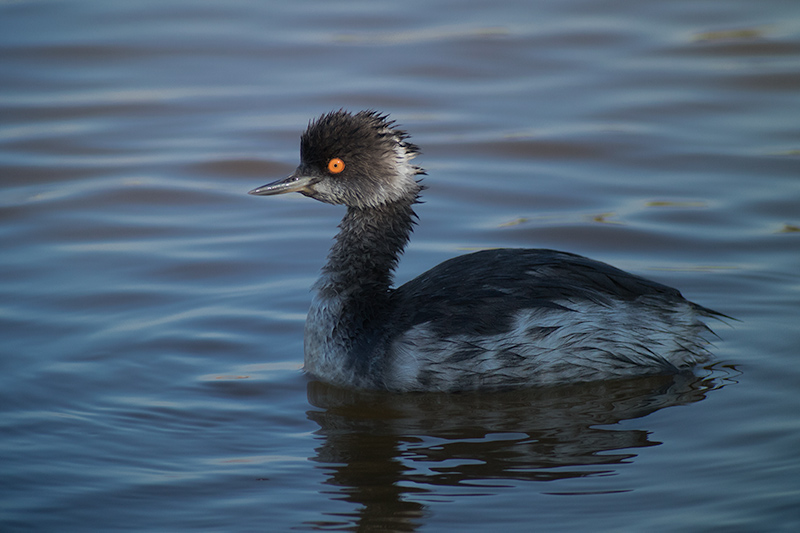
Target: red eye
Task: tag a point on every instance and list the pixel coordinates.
(335, 165)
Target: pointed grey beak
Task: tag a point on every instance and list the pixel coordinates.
(293, 183)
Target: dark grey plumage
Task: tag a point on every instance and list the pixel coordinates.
(490, 319)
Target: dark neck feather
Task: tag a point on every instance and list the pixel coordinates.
(362, 260)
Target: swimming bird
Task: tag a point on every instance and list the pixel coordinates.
(487, 320)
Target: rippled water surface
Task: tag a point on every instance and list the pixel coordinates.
(151, 312)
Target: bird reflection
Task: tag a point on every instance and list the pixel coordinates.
(387, 452)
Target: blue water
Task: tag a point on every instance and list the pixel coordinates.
(151, 312)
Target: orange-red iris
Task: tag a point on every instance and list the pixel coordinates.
(335, 165)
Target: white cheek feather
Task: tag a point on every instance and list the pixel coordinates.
(403, 183)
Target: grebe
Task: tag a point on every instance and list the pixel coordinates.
(486, 320)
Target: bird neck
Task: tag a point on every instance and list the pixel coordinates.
(366, 250)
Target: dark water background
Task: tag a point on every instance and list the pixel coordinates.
(151, 313)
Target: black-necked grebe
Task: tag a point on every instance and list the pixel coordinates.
(489, 319)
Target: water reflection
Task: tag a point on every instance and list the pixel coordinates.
(384, 452)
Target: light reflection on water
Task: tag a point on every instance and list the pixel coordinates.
(152, 312)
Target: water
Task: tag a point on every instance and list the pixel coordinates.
(152, 312)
